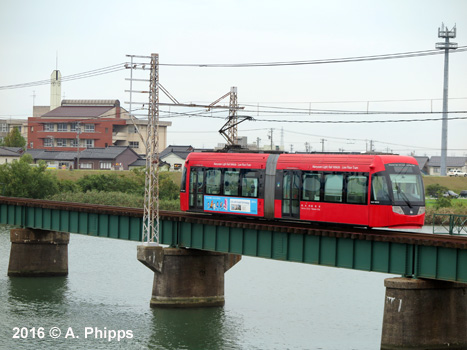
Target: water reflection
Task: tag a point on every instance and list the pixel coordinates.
(46, 295)
(197, 328)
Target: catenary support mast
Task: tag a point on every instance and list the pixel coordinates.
(151, 193)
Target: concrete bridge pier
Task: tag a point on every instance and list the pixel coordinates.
(38, 253)
(186, 277)
(424, 314)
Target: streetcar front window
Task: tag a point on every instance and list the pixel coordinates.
(407, 184)
(380, 189)
(406, 187)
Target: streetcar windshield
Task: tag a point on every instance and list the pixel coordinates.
(406, 183)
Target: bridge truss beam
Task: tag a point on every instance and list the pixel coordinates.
(415, 255)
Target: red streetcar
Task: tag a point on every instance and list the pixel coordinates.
(363, 190)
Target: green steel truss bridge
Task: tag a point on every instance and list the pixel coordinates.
(417, 255)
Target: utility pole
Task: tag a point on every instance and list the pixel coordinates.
(445, 33)
(322, 144)
(151, 192)
(78, 132)
(270, 136)
(282, 139)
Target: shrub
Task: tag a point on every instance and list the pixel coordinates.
(68, 186)
(168, 189)
(172, 205)
(20, 179)
(104, 198)
(110, 183)
(442, 202)
(435, 190)
(112, 198)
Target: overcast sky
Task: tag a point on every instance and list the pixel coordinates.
(89, 35)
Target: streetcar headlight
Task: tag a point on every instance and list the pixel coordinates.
(397, 209)
(421, 210)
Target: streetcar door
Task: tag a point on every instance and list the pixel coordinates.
(196, 188)
(291, 194)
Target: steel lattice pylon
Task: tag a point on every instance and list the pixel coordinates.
(233, 133)
(151, 193)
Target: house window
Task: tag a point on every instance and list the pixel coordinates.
(4, 127)
(105, 165)
(89, 127)
(134, 144)
(62, 127)
(73, 143)
(74, 127)
(85, 165)
(61, 142)
(49, 127)
(48, 143)
(89, 143)
(31, 145)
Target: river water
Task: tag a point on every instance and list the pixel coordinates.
(269, 305)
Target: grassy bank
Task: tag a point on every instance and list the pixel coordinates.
(455, 184)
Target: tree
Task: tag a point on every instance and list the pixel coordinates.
(20, 179)
(14, 139)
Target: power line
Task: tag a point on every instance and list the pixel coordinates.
(349, 139)
(88, 74)
(312, 62)
(301, 111)
(354, 101)
(356, 121)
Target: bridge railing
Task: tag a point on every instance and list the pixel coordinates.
(451, 224)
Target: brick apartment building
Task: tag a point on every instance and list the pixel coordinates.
(92, 123)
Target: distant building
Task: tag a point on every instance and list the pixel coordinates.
(92, 123)
(10, 154)
(110, 158)
(141, 163)
(6, 125)
(423, 164)
(175, 156)
(452, 163)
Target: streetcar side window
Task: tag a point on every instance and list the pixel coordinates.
(196, 187)
(357, 189)
(379, 189)
(333, 187)
(249, 184)
(183, 183)
(231, 182)
(311, 187)
(213, 181)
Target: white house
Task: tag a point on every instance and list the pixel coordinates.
(9, 154)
